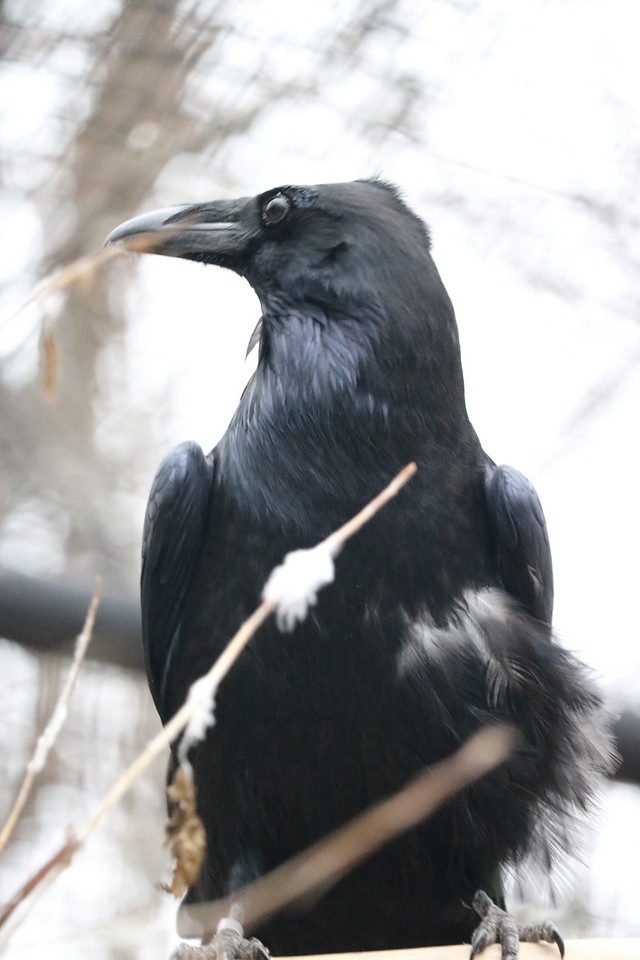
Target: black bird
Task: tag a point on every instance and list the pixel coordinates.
(439, 618)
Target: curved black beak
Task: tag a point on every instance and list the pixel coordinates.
(217, 232)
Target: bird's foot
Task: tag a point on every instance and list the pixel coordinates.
(498, 926)
(228, 943)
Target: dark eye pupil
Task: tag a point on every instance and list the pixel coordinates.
(276, 209)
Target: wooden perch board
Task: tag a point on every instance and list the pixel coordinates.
(610, 949)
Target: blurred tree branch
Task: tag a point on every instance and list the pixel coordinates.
(46, 617)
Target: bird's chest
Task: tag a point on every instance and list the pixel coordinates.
(286, 482)
(304, 720)
(317, 711)
(416, 555)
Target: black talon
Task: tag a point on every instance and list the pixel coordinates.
(226, 944)
(498, 926)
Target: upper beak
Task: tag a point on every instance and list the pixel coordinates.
(216, 232)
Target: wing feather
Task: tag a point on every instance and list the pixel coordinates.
(521, 542)
(174, 530)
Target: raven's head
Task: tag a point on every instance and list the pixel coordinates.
(350, 297)
(359, 358)
(329, 245)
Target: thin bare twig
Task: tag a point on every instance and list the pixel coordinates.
(82, 270)
(14, 911)
(204, 689)
(352, 526)
(325, 862)
(48, 737)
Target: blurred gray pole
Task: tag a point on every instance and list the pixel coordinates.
(47, 616)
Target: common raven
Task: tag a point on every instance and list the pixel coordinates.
(439, 620)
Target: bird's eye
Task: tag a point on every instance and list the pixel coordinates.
(276, 209)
